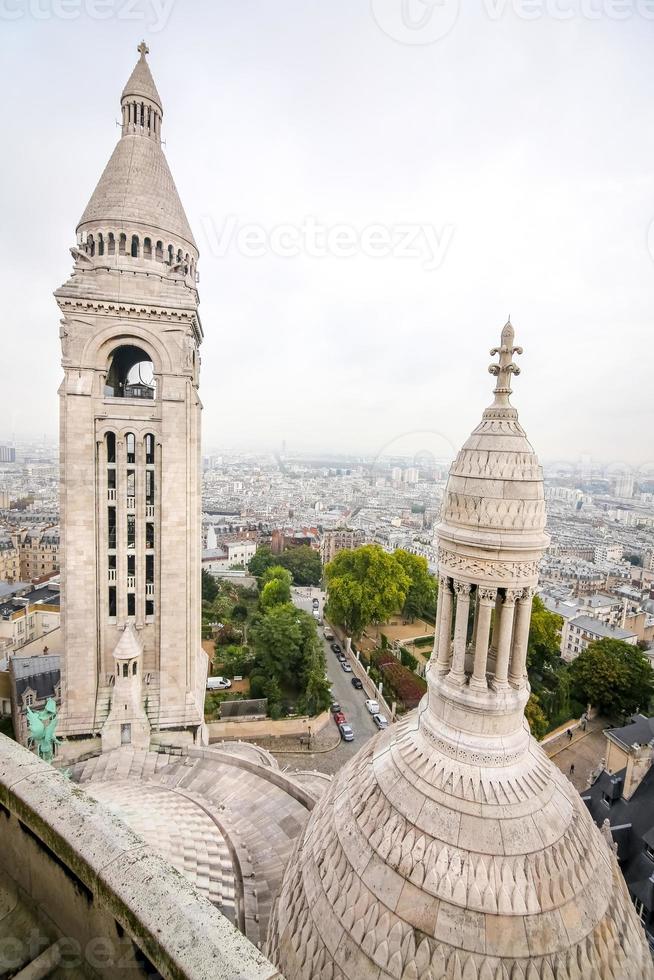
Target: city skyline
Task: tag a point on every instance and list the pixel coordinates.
(535, 194)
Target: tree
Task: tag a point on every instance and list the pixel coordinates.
(209, 586)
(544, 645)
(277, 641)
(260, 561)
(365, 586)
(289, 655)
(421, 595)
(274, 593)
(536, 717)
(276, 573)
(275, 587)
(548, 673)
(613, 676)
(240, 612)
(303, 563)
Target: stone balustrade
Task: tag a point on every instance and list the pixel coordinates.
(74, 876)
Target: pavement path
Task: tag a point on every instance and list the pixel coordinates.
(584, 751)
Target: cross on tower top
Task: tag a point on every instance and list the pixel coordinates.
(143, 49)
(506, 367)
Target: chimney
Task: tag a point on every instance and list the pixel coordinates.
(638, 765)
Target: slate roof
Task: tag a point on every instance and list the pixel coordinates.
(601, 629)
(639, 732)
(632, 826)
(40, 674)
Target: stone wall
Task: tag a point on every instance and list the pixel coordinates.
(75, 875)
(265, 727)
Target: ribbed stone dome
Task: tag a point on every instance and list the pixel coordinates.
(450, 846)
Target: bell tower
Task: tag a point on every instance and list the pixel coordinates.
(130, 437)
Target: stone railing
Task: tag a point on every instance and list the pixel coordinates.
(90, 892)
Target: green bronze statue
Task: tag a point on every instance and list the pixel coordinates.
(43, 725)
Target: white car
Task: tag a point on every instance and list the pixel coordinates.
(372, 706)
(346, 667)
(218, 683)
(381, 721)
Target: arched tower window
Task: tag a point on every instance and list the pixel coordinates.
(159, 251)
(147, 248)
(100, 244)
(130, 374)
(134, 668)
(110, 440)
(130, 445)
(122, 244)
(149, 449)
(135, 246)
(90, 245)
(111, 244)
(171, 254)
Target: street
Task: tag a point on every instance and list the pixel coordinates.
(351, 701)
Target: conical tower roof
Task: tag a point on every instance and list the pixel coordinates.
(141, 83)
(129, 645)
(136, 188)
(451, 846)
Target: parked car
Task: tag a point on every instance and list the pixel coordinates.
(335, 707)
(316, 604)
(336, 648)
(340, 718)
(346, 733)
(340, 657)
(218, 683)
(346, 667)
(372, 706)
(381, 721)
(327, 633)
(356, 683)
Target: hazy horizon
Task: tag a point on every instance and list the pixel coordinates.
(308, 143)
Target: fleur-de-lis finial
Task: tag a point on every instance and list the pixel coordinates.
(143, 49)
(506, 367)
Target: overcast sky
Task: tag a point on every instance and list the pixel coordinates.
(512, 142)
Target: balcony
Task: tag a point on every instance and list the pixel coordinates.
(149, 510)
(111, 575)
(131, 503)
(111, 496)
(131, 581)
(149, 590)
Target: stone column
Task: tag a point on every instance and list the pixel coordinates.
(457, 674)
(518, 669)
(504, 639)
(485, 604)
(433, 659)
(444, 625)
(496, 624)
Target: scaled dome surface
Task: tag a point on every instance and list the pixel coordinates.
(450, 846)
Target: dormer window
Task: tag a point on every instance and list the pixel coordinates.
(649, 852)
(606, 799)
